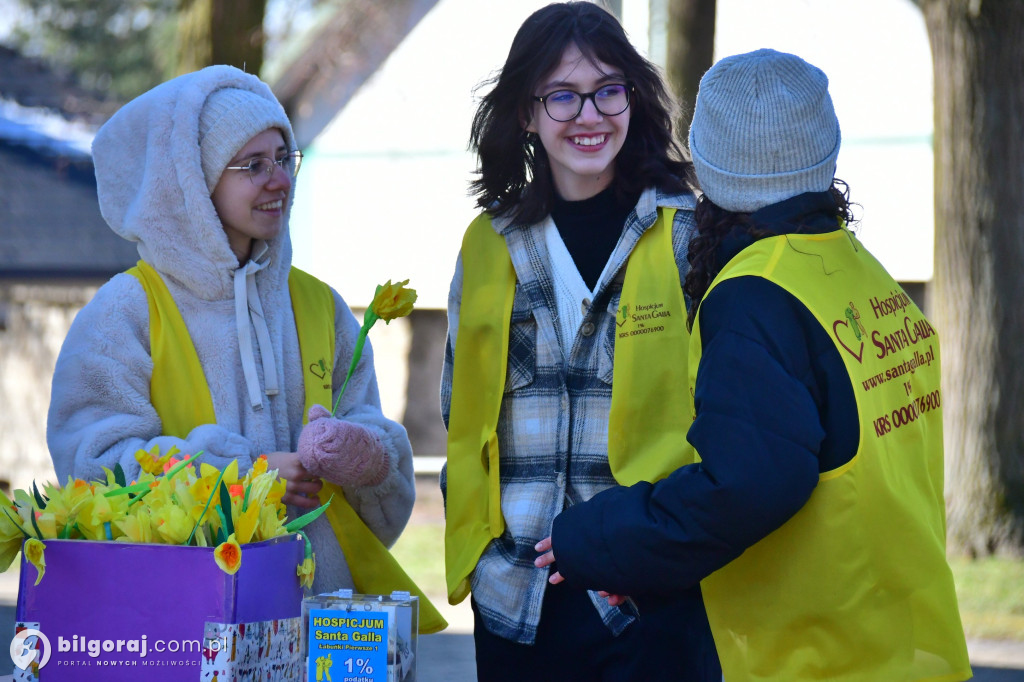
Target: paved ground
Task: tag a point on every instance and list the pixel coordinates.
(448, 657)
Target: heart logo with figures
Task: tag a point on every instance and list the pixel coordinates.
(859, 353)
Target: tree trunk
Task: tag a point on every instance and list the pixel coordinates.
(978, 55)
(221, 32)
(690, 52)
(237, 29)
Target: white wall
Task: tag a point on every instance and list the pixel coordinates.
(36, 320)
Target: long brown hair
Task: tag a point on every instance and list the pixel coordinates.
(714, 223)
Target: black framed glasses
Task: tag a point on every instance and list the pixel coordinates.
(260, 168)
(565, 105)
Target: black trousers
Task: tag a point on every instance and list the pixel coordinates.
(670, 642)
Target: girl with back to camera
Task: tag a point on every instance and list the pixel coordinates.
(570, 276)
(814, 519)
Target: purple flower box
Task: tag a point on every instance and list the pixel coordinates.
(121, 611)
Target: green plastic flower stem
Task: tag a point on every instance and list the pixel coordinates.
(307, 546)
(308, 518)
(181, 465)
(32, 518)
(356, 354)
(127, 490)
(224, 522)
(225, 508)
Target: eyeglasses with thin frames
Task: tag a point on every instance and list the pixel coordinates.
(565, 105)
(260, 168)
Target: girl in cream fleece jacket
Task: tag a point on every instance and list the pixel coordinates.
(171, 170)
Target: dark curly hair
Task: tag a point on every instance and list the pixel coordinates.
(714, 223)
(514, 176)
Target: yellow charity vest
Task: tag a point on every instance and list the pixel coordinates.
(178, 373)
(647, 423)
(855, 586)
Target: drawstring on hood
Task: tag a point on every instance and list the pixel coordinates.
(249, 311)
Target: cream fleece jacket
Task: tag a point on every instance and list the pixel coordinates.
(152, 191)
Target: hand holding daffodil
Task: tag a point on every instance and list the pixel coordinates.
(343, 452)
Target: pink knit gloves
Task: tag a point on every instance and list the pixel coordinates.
(342, 452)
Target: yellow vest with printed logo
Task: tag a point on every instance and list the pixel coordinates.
(646, 437)
(855, 586)
(181, 396)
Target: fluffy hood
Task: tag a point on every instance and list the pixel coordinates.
(152, 189)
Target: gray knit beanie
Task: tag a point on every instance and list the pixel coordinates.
(763, 130)
(229, 119)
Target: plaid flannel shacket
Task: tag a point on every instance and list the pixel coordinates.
(553, 424)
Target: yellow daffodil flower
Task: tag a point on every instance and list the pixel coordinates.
(230, 473)
(202, 487)
(25, 505)
(10, 535)
(270, 524)
(393, 300)
(259, 467)
(46, 522)
(34, 555)
(72, 499)
(306, 570)
(153, 462)
(274, 495)
(172, 524)
(64, 503)
(90, 519)
(228, 555)
(136, 527)
(260, 489)
(389, 301)
(246, 522)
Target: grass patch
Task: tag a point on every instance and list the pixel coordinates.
(420, 551)
(991, 596)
